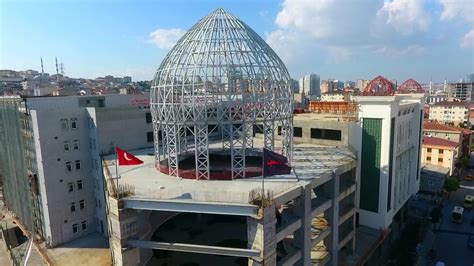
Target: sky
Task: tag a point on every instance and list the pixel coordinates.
(340, 39)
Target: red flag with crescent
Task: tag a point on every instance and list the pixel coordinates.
(125, 158)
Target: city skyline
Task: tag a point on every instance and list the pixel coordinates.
(399, 39)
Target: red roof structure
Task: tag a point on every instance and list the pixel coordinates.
(410, 86)
(379, 86)
(439, 142)
(431, 126)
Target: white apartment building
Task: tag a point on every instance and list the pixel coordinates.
(70, 134)
(450, 112)
(388, 146)
(336, 96)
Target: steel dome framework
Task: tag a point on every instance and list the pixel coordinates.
(220, 81)
(379, 86)
(410, 86)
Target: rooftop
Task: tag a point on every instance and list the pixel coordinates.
(440, 127)
(451, 103)
(439, 142)
(310, 162)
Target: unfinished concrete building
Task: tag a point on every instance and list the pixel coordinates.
(219, 97)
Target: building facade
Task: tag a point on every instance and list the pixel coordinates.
(310, 85)
(450, 112)
(461, 91)
(389, 151)
(440, 152)
(66, 138)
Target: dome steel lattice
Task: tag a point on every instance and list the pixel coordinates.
(219, 84)
(379, 86)
(410, 86)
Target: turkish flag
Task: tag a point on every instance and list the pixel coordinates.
(125, 158)
(274, 163)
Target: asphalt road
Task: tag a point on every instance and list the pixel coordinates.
(451, 239)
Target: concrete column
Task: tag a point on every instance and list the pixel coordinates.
(122, 226)
(302, 236)
(261, 236)
(332, 216)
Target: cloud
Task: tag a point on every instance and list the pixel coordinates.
(405, 16)
(468, 39)
(165, 38)
(394, 52)
(333, 31)
(457, 9)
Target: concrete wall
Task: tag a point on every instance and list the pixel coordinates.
(307, 124)
(124, 127)
(54, 179)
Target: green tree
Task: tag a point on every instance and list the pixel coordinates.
(461, 125)
(451, 185)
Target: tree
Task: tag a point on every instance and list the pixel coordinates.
(451, 185)
(461, 125)
(465, 161)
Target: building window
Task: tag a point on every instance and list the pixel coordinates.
(329, 134)
(84, 225)
(70, 187)
(428, 158)
(74, 228)
(73, 123)
(148, 118)
(428, 150)
(78, 164)
(79, 185)
(73, 207)
(68, 166)
(149, 136)
(440, 160)
(441, 151)
(66, 146)
(297, 132)
(75, 144)
(82, 204)
(64, 126)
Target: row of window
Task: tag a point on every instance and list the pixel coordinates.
(77, 165)
(440, 151)
(75, 227)
(67, 124)
(71, 145)
(82, 206)
(428, 158)
(71, 186)
(317, 133)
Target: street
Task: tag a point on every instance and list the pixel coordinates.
(451, 244)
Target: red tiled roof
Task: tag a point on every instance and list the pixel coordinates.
(432, 126)
(431, 141)
(451, 103)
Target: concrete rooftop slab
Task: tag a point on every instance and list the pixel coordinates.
(310, 162)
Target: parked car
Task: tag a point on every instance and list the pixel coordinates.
(469, 177)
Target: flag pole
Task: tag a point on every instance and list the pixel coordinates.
(263, 177)
(116, 171)
(294, 171)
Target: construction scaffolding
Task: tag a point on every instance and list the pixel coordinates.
(18, 164)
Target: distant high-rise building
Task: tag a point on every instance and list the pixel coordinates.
(361, 84)
(309, 85)
(470, 78)
(294, 85)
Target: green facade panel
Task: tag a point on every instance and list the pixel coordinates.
(370, 164)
